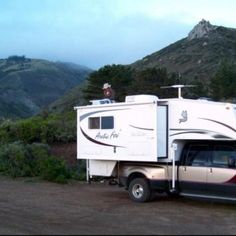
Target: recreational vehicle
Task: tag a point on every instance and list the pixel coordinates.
(178, 146)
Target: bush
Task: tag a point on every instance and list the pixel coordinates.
(15, 160)
(54, 128)
(78, 172)
(27, 160)
(38, 152)
(53, 169)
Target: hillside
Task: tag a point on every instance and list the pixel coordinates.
(27, 85)
(197, 56)
(66, 103)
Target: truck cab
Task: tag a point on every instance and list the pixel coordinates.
(206, 169)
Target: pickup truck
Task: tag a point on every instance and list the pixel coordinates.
(206, 169)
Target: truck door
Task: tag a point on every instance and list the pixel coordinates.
(192, 172)
(221, 174)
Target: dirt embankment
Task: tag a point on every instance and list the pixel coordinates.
(66, 151)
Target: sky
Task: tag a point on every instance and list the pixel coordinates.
(95, 33)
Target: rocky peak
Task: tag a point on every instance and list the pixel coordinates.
(202, 29)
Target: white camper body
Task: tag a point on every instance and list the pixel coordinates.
(147, 129)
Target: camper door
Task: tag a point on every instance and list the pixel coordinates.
(142, 126)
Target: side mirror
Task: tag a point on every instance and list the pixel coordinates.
(231, 162)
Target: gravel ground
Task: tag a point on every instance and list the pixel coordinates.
(30, 206)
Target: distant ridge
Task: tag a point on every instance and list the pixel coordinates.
(27, 85)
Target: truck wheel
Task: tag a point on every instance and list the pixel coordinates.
(139, 190)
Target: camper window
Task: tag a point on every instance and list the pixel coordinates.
(94, 123)
(104, 122)
(107, 122)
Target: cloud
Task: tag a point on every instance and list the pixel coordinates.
(98, 32)
(183, 11)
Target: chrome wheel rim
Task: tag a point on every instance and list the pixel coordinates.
(138, 191)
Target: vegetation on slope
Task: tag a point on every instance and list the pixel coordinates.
(196, 59)
(27, 85)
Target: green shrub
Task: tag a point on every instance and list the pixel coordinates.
(78, 172)
(29, 130)
(5, 131)
(53, 169)
(15, 160)
(50, 129)
(27, 160)
(38, 151)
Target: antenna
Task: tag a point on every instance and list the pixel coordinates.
(179, 87)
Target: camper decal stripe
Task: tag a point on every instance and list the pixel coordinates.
(82, 117)
(196, 131)
(97, 142)
(141, 128)
(189, 132)
(215, 121)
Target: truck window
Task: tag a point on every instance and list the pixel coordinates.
(222, 154)
(197, 155)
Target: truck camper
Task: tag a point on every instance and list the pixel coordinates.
(180, 146)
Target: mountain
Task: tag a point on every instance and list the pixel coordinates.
(196, 57)
(67, 102)
(28, 85)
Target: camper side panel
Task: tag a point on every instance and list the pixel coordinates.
(199, 120)
(118, 132)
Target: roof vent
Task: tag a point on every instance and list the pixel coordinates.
(141, 98)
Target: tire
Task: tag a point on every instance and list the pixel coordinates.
(139, 190)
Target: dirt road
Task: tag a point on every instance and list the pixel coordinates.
(29, 206)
